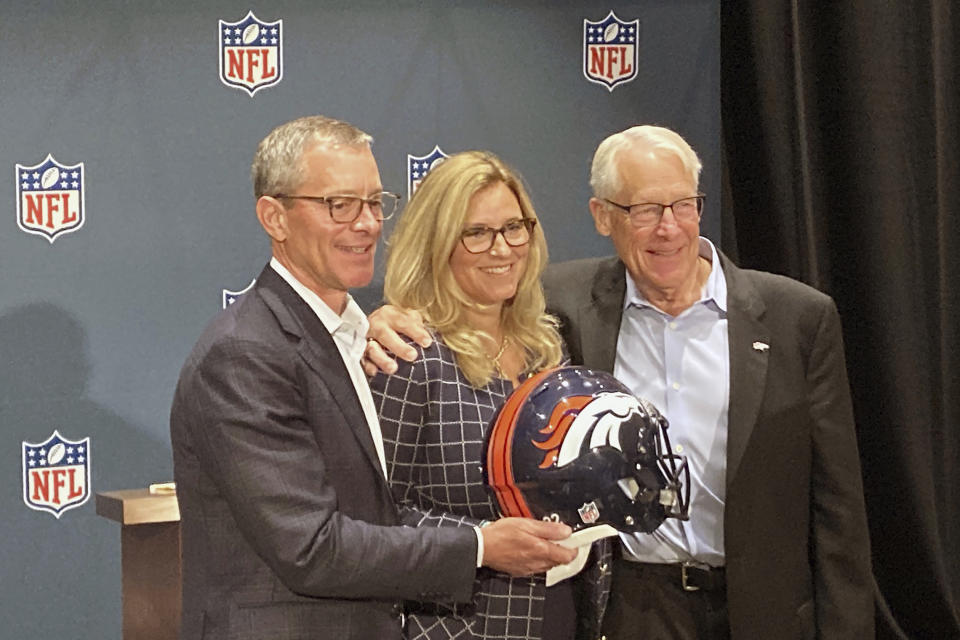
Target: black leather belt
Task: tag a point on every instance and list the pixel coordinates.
(691, 577)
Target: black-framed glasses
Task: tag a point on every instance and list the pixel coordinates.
(480, 239)
(648, 214)
(346, 209)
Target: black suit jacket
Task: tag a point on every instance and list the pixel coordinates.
(795, 530)
(287, 524)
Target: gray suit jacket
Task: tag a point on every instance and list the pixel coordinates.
(287, 524)
(795, 529)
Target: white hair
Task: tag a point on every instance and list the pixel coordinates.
(605, 177)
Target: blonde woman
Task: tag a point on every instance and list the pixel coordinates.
(467, 254)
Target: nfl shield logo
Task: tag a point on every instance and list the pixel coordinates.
(589, 512)
(50, 198)
(229, 297)
(251, 53)
(56, 474)
(419, 166)
(610, 51)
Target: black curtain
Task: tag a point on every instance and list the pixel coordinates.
(841, 132)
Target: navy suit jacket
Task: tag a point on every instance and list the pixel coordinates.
(795, 528)
(288, 527)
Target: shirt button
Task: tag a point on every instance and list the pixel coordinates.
(672, 325)
(678, 448)
(676, 385)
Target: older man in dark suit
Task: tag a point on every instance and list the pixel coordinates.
(748, 367)
(288, 526)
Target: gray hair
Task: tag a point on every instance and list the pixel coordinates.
(277, 165)
(604, 175)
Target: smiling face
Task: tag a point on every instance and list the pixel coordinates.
(326, 256)
(662, 259)
(491, 277)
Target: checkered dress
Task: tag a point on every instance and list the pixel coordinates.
(434, 423)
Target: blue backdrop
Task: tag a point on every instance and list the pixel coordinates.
(95, 322)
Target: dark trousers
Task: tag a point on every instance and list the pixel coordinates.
(649, 601)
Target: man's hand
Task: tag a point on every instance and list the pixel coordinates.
(387, 325)
(523, 546)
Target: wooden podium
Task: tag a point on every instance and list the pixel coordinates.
(150, 552)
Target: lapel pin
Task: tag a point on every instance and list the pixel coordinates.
(760, 346)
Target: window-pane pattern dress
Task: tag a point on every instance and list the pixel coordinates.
(434, 423)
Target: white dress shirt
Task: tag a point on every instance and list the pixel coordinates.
(349, 332)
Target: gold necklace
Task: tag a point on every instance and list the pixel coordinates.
(496, 359)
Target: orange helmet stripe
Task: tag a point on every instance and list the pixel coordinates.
(499, 465)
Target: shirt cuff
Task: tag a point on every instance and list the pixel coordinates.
(479, 547)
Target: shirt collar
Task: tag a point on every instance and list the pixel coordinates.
(715, 288)
(352, 321)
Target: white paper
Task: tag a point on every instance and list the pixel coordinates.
(581, 541)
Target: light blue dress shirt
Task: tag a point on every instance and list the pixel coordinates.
(682, 365)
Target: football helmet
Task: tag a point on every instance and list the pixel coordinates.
(572, 444)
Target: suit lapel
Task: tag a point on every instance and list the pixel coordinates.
(600, 320)
(747, 335)
(749, 343)
(319, 351)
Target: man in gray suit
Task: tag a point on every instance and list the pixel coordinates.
(288, 526)
(748, 367)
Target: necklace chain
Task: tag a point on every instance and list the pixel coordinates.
(496, 358)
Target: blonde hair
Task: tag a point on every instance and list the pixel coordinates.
(419, 276)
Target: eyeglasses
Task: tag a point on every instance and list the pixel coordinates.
(648, 214)
(346, 209)
(480, 239)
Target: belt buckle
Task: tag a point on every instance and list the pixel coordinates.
(683, 577)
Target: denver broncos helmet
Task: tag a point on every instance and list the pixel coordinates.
(573, 444)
